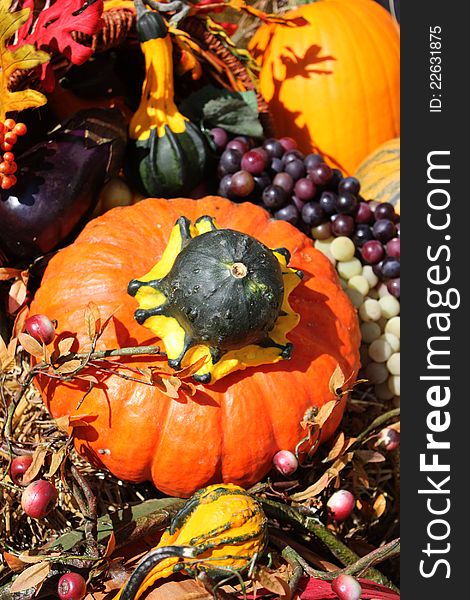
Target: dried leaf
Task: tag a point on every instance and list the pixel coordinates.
(191, 369)
(31, 577)
(313, 490)
(14, 562)
(172, 385)
(56, 460)
(241, 5)
(110, 546)
(16, 296)
(68, 422)
(7, 273)
(4, 356)
(360, 474)
(369, 456)
(39, 457)
(92, 320)
(24, 58)
(69, 366)
(379, 506)
(272, 582)
(20, 319)
(65, 344)
(336, 381)
(31, 345)
(91, 378)
(325, 412)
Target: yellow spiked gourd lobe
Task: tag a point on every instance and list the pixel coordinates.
(221, 295)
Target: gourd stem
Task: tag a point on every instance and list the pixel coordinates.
(344, 554)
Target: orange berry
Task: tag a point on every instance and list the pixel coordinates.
(6, 146)
(11, 138)
(20, 129)
(10, 123)
(6, 182)
(9, 156)
(5, 168)
(12, 179)
(2, 127)
(13, 168)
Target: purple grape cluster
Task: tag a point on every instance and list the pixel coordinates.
(311, 195)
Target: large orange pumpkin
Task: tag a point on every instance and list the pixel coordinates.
(333, 83)
(230, 430)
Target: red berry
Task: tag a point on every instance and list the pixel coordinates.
(10, 138)
(10, 123)
(18, 468)
(340, 505)
(9, 157)
(388, 439)
(346, 587)
(2, 127)
(40, 328)
(285, 462)
(20, 129)
(6, 146)
(39, 498)
(71, 586)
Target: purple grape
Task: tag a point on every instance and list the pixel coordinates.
(393, 247)
(295, 168)
(285, 181)
(336, 178)
(224, 186)
(230, 161)
(305, 189)
(384, 230)
(364, 213)
(261, 181)
(276, 166)
(390, 267)
(242, 184)
(321, 174)
(275, 197)
(346, 203)
(238, 145)
(328, 202)
(393, 286)
(289, 213)
(254, 162)
(273, 148)
(288, 143)
(312, 160)
(219, 137)
(312, 214)
(385, 210)
(362, 234)
(322, 232)
(343, 225)
(372, 252)
(299, 204)
(292, 155)
(350, 185)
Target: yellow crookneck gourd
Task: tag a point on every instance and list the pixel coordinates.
(168, 153)
(221, 295)
(220, 530)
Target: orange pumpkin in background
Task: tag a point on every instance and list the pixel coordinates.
(333, 83)
(230, 429)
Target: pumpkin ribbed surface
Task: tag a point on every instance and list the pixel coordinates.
(379, 174)
(230, 431)
(333, 84)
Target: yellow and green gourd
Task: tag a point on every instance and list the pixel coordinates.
(220, 530)
(168, 154)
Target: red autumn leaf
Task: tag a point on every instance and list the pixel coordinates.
(53, 28)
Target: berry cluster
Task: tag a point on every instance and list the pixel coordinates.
(9, 132)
